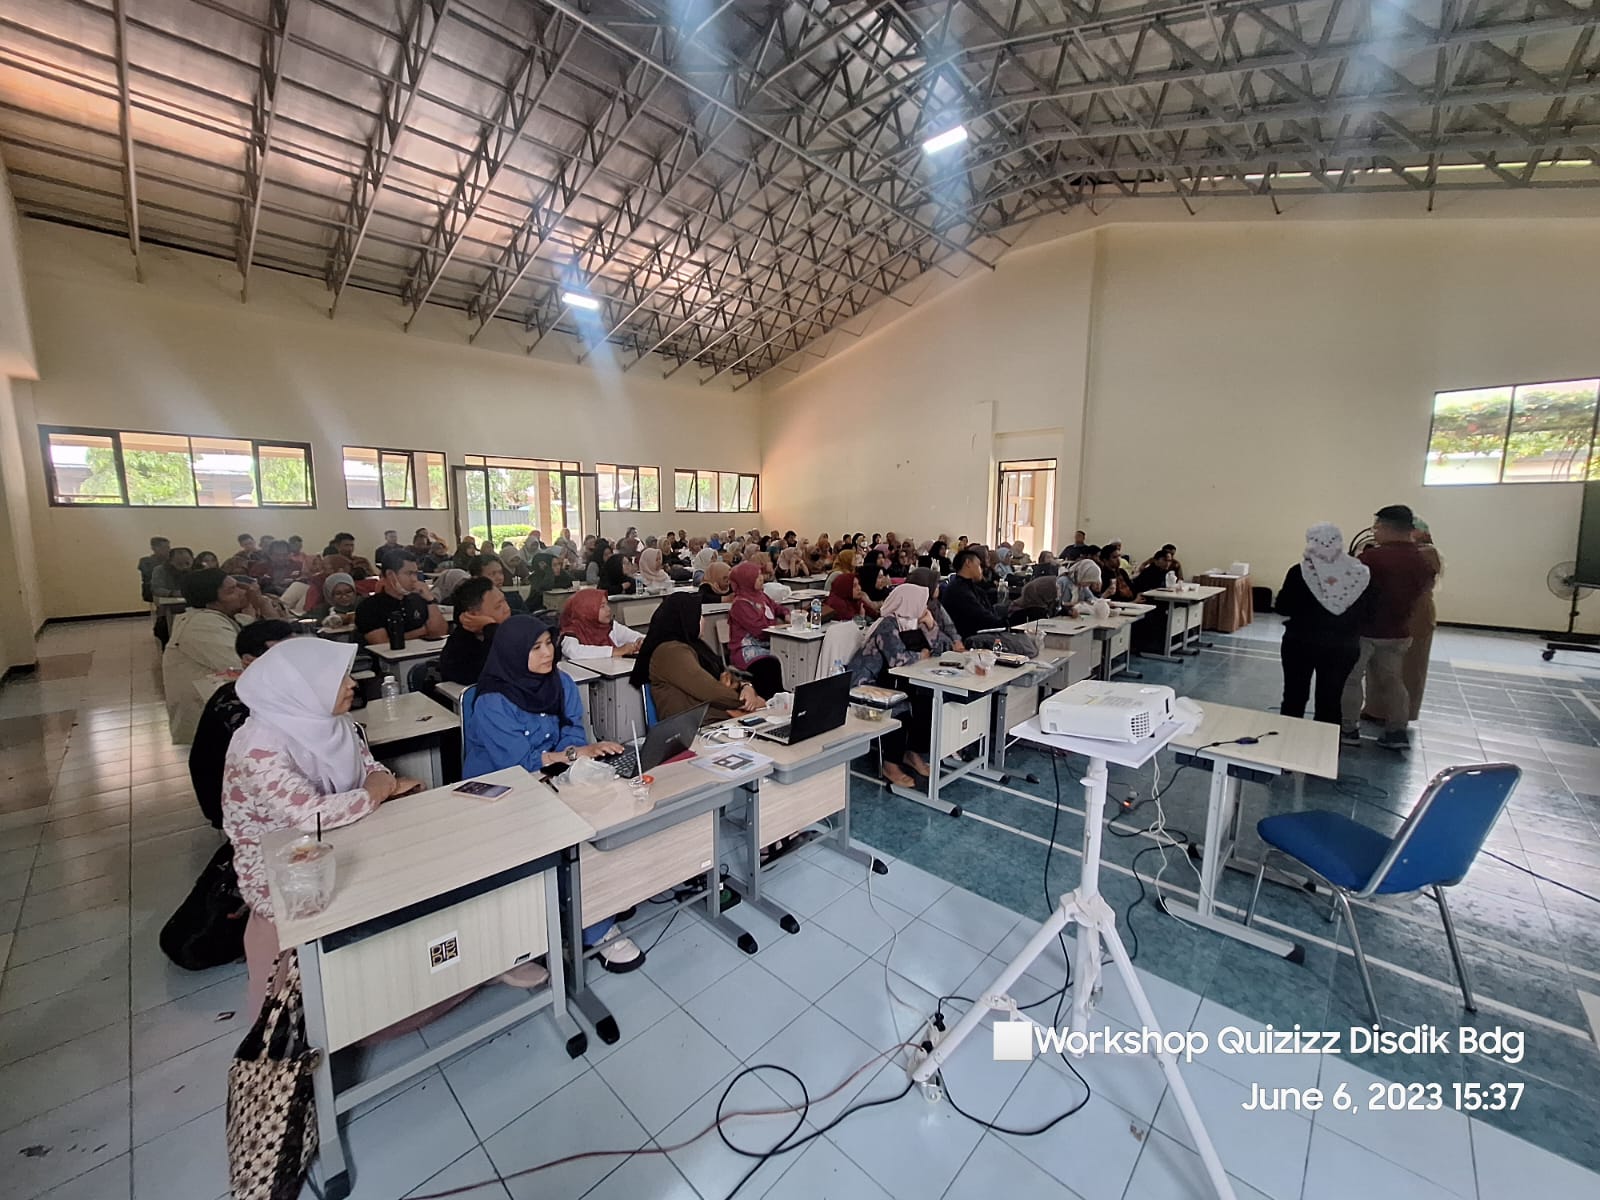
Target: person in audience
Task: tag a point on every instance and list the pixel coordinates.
(222, 716)
(629, 544)
(247, 546)
(546, 572)
(480, 608)
(1153, 575)
(616, 572)
(682, 671)
(491, 568)
(907, 631)
(444, 587)
(844, 563)
(716, 587)
(821, 553)
(965, 600)
(280, 570)
(167, 579)
(1324, 598)
(344, 544)
(421, 541)
(1149, 633)
(1400, 577)
(403, 589)
(202, 641)
(1081, 583)
(938, 555)
(1114, 581)
(1038, 598)
(929, 578)
(516, 565)
(846, 601)
(160, 548)
(206, 560)
(870, 574)
(792, 563)
(1174, 566)
(339, 601)
(529, 714)
(391, 539)
(298, 556)
(1079, 538)
(588, 629)
(652, 574)
(532, 544)
(1019, 555)
(749, 643)
(298, 759)
(466, 552)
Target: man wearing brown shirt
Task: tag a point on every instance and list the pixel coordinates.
(1400, 575)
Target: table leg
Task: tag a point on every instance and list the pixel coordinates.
(577, 1040)
(752, 895)
(839, 840)
(330, 1150)
(572, 957)
(935, 761)
(740, 937)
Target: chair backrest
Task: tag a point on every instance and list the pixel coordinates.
(422, 674)
(1446, 828)
(649, 705)
(839, 645)
(464, 706)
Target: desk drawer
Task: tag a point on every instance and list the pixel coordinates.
(788, 807)
(611, 880)
(962, 724)
(384, 978)
(1122, 639)
(1021, 703)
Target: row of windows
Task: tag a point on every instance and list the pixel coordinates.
(159, 470)
(1525, 433)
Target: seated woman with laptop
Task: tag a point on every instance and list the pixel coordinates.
(905, 633)
(528, 714)
(682, 671)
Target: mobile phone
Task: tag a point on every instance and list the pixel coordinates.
(750, 722)
(476, 787)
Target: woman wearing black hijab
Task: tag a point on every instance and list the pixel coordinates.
(682, 671)
(871, 575)
(614, 577)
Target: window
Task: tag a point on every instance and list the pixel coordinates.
(1527, 433)
(174, 470)
(1025, 503)
(715, 491)
(378, 478)
(629, 489)
(505, 499)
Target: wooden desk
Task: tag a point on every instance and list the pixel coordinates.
(1075, 637)
(1233, 608)
(1185, 613)
(411, 739)
(435, 894)
(962, 715)
(809, 782)
(637, 852)
(1114, 635)
(798, 651)
(401, 662)
(1297, 745)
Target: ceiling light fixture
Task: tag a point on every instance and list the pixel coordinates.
(579, 300)
(943, 141)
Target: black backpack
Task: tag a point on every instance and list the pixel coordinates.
(208, 928)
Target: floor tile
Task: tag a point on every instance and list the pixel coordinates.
(202, 1016)
(691, 959)
(822, 1172)
(908, 887)
(880, 1008)
(97, 964)
(1507, 1165)
(994, 1166)
(652, 1175)
(910, 1147)
(178, 1089)
(805, 889)
(866, 922)
(662, 1072)
(1093, 1151)
(394, 1148)
(636, 1003)
(932, 959)
(473, 1167)
(109, 1181)
(810, 961)
(1265, 1149)
(1337, 1169)
(68, 931)
(76, 897)
(192, 1160)
(707, 1162)
(503, 1078)
(1169, 1171)
(66, 1142)
(1435, 1145)
(978, 922)
(583, 1116)
(834, 1063)
(746, 1008)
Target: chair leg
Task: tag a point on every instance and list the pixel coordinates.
(1343, 902)
(1255, 892)
(1468, 1002)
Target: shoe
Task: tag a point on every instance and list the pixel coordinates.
(626, 913)
(918, 764)
(529, 975)
(618, 954)
(896, 776)
(1350, 737)
(1394, 739)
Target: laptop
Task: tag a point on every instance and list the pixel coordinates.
(818, 707)
(664, 740)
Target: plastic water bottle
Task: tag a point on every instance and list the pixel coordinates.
(1172, 579)
(391, 693)
(816, 614)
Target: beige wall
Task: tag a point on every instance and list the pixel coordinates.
(180, 353)
(1222, 385)
(21, 609)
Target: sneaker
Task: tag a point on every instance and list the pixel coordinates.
(529, 975)
(618, 954)
(1394, 739)
(1350, 737)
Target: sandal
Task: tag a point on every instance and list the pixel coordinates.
(918, 764)
(896, 776)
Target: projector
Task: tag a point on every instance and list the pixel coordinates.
(1111, 712)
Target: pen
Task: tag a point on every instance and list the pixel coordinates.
(550, 783)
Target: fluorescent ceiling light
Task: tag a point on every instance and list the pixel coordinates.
(580, 300)
(943, 141)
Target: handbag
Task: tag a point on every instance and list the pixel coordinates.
(207, 930)
(272, 1109)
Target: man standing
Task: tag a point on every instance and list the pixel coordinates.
(160, 547)
(403, 589)
(1400, 575)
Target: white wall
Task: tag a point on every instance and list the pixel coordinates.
(1222, 384)
(180, 353)
(21, 608)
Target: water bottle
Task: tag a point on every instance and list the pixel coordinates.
(391, 693)
(1172, 580)
(816, 614)
(395, 624)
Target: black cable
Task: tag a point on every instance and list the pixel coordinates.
(663, 932)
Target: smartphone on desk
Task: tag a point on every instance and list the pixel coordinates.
(484, 791)
(752, 722)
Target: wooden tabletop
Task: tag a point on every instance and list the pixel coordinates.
(1308, 747)
(415, 715)
(415, 648)
(424, 845)
(965, 679)
(610, 807)
(854, 729)
(611, 666)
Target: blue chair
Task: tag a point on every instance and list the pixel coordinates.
(649, 705)
(1432, 851)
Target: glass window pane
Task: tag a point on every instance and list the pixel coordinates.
(432, 489)
(397, 481)
(728, 492)
(361, 488)
(627, 488)
(1552, 426)
(706, 491)
(85, 469)
(748, 500)
(649, 489)
(224, 472)
(285, 475)
(606, 486)
(683, 490)
(1469, 435)
(157, 469)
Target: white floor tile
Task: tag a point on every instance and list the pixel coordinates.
(1338, 1169)
(995, 1166)
(1269, 1070)
(690, 959)
(811, 961)
(97, 964)
(1093, 1151)
(192, 1160)
(69, 930)
(932, 959)
(1169, 1171)
(881, 1012)
(180, 1089)
(833, 1062)
(663, 1071)
(978, 922)
(644, 1175)
(707, 1162)
(109, 1181)
(502, 1079)
(583, 1116)
(908, 887)
(193, 1020)
(804, 889)
(1508, 1166)
(910, 1147)
(1435, 1145)
(394, 1148)
(1265, 1149)
(746, 1008)
(54, 1077)
(66, 1142)
(867, 923)
(473, 1167)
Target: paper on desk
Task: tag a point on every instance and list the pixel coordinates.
(732, 762)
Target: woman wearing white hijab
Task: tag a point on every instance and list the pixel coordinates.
(1323, 596)
(298, 757)
(651, 572)
(905, 633)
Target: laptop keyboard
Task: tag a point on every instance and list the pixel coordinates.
(625, 764)
(776, 731)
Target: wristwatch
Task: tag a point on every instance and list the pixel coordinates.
(572, 754)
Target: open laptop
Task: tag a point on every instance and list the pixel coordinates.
(818, 707)
(665, 739)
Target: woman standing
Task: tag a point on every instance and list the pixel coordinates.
(1323, 598)
(1424, 616)
(906, 632)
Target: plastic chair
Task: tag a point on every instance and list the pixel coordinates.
(649, 705)
(1432, 851)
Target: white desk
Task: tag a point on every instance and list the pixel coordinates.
(1019, 701)
(1307, 747)
(636, 609)
(400, 662)
(555, 599)
(435, 894)
(714, 627)
(1114, 634)
(616, 707)
(799, 651)
(1185, 614)
(409, 740)
(961, 717)
(1073, 636)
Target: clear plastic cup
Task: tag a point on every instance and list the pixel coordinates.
(303, 876)
(639, 786)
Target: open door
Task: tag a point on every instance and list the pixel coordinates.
(472, 503)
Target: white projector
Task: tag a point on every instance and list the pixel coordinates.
(1111, 712)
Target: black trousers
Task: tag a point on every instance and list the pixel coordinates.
(916, 723)
(1329, 662)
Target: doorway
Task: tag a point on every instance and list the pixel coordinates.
(1025, 503)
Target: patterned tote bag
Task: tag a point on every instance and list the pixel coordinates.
(272, 1113)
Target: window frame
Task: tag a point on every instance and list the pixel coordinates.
(411, 470)
(1590, 462)
(615, 468)
(717, 477)
(55, 500)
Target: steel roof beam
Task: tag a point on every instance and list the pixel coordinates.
(262, 114)
(130, 173)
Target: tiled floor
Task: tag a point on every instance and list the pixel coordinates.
(112, 1062)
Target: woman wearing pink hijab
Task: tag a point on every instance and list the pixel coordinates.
(749, 644)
